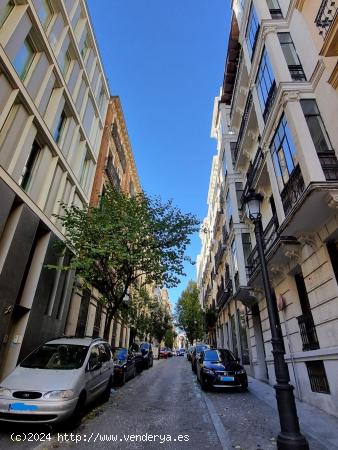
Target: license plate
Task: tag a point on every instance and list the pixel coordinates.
(22, 407)
(227, 378)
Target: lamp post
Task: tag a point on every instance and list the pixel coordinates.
(290, 437)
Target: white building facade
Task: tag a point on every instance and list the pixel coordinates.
(277, 132)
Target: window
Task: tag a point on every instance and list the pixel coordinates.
(274, 9)
(85, 171)
(65, 63)
(234, 255)
(266, 85)
(225, 167)
(228, 207)
(316, 126)
(246, 242)
(85, 46)
(45, 12)
(24, 58)
(317, 377)
(5, 11)
(239, 192)
(283, 153)
(59, 127)
(252, 31)
(30, 166)
(292, 60)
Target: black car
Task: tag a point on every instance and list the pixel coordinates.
(219, 369)
(124, 365)
(189, 352)
(147, 353)
(198, 349)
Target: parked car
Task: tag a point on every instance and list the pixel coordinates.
(170, 352)
(189, 352)
(57, 380)
(181, 352)
(198, 349)
(220, 369)
(124, 365)
(163, 353)
(146, 350)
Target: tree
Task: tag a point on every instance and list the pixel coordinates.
(138, 314)
(189, 314)
(125, 244)
(160, 322)
(169, 338)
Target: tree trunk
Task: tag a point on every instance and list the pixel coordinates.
(109, 318)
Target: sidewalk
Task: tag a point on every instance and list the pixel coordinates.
(314, 422)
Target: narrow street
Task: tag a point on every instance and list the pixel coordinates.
(165, 407)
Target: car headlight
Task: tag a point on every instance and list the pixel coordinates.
(4, 392)
(209, 371)
(240, 372)
(59, 395)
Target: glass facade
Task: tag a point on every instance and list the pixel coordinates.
(30, 166)
(252, 31)
(45, 13)
(265, 83)
(283, 153)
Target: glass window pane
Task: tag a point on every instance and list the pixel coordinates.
(23, 58)
(45, 13)
(5, 11)
(252, 30)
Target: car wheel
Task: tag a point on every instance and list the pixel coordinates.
(123, 379)
(106, 392)
(78, 413)
(203, 384)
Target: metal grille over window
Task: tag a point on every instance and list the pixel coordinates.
(317, 377)
(326, 15)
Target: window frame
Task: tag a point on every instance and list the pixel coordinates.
(28, 63)
(252, 30)
(296, 69)
(30, 166)
(265, 73)
(320, 122)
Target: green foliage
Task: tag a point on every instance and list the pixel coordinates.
(210, 318)
(189, 314)
(160, 321)
(127, 243)
(169, 337)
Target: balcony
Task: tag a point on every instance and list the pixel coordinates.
(242, 128)
(225, 235)
(292, 190)
(327, 14)
(252, 172)
(270, 236)
(112, 173)
(308, 332)
(219, 255)
(224, 291)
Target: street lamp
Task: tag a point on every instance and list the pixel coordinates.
(290, 437)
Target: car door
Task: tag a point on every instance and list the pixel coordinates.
(94, 377)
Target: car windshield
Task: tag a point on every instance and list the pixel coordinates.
(200, 348)
(120, 354)
(144, 346)
(56, 356)
(226, 356)
(211, 355)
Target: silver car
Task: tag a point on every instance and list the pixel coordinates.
(57, 380)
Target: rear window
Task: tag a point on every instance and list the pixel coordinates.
(211, 355)
(200, 348)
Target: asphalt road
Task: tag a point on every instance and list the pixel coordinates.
(163, 407)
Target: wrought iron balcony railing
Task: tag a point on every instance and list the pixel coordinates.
(112, 173)
(224, 291)
(327, 13)
(329, 163)
(270, 236)
(219, 255)
(308, 332)
(242, 128)
(292, 190)
(297, 72)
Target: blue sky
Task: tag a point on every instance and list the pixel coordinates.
(165, 59)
